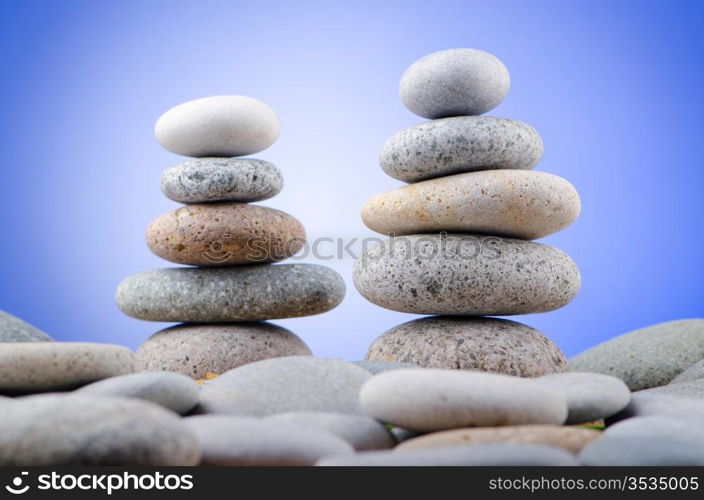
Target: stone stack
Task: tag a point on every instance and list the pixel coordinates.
(233, 286)
(460, 233)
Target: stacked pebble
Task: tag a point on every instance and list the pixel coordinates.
(233, 243)
(460, 233)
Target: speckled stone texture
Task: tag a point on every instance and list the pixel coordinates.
(454, 82)
(217, 295)
(51, 430)
(461, 144)
(13, 329)
(569, 438)
(514, 203)
(648, 357)
(694, 372)
(642, 451)
(463, 274)
(225, 234)
(27, 367)
(483, 344)
(197, 350)
(229, 125)
(222, 179)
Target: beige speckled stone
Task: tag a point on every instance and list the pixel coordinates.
(515, 203)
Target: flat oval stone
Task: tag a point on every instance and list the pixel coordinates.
(225, 234)
(279, 385)
(464, 274)
(221, 295)
(52, 430)
(221, 179)
(642, 451)
(690, 389)
(432, 400)
(684, 427)
(226, 125)
(454, 82)
(13, 329)
(644, 404)
(27, 367)
(200, 350)
(694, 372)
(482, 344)
(461, 144)
(514, 203)
(176, 392)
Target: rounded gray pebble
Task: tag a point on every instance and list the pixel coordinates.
(375, 367)
(642, 451)
(13, 329)
(691, 389)
(658, 426)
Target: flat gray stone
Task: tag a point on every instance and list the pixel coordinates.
(463, 274)
(222, 179)
(176, 392)
(642, 451)
(202, 350)
(645, 404)
(688, 428)
(474, 455)
(482, 344)
(27, 367)
(648, 357)
(280, 385)
(13, 329)
(432, 400)
(222, 295)
(590, 396)
(362, 432)
(70, 429)
(375, 367)
(461, 144)
(691, 389)
(694, 372)
(454, 82)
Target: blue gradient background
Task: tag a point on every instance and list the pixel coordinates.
(614, 88)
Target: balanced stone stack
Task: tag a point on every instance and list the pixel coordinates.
(232, 243)
(460, 234)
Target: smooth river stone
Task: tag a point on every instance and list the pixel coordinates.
(13, 329)
(642, 451)
(694, 372)
(454, 82)
(691, 389)
(222, 179)
(280, 385)
(51, 430)
(225, 234)
(649, 357)
(461, 144)
(464, 274)
(646, 403)
(689, 428)
(198, 350)
(220, 295)
(27, 367)
(482, 344)
(228, 125)
(432, 400)
(514, 203)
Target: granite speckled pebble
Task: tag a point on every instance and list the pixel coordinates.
(13, 329)
(514, 203)
(637, 357)
(483, 344)
(658, 426)
(196, 349)
(228, 125)
(461, 144)
(462, 274)
(27, 367)
(217, 295)
(375, 367)
(690, 389)
(225, 234)
(86, 430)
(454, 82)
(642, 451)
(221, 179)
(646, 404)
(694, 372)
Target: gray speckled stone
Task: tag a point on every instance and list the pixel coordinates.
(461, 144)
(363, 433)
(646, 404)
(375, 367)
(590, 396)
(658, 426)
(648, 357)
(176, 392)
(694, 372)
(222, 179)
(432, 400)
(454, 82)
(199, 350)
(280, 385)
(87, 430)
(228, 440)
(463, 274)
(691, 389)
(483, 344)
(27, 367)
(13, 329)
(474, 455)
(642, 451)
(217, 295)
